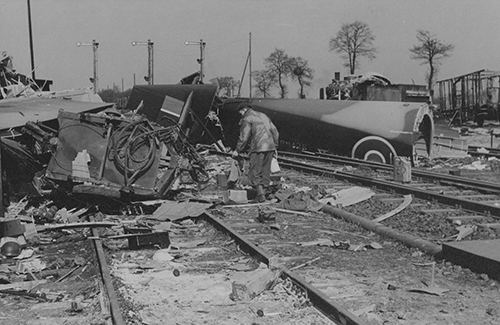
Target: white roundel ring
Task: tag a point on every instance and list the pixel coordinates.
(374, 148)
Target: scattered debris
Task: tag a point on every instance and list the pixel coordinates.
(305, 264)
(391, 287)
(148, 240)
(24, 285)
(235, 196)
(76, 307)
(162, 255)
(189, 244)
(95, 224)
(318, 242)
(249, 205)
(173, 210)
(431, 288)
(406, 202)
(306, 214)
(30, 265)
(266, 215)
(365, 310)
(25, 253)
(248, 285)
(301, 201)
(374, 245)
(465, 231)
(349, 196)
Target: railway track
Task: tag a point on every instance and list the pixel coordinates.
(334, 311)
(314, 251)
(473, 196)
(338, 274)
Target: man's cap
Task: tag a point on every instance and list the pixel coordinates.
(244, 105)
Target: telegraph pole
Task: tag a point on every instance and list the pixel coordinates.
(150, 62)
(95, 46)
(250, 65)
(150, 44)
(31, 43)
(202, 55)
(202, 59)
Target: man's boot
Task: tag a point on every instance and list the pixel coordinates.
(261, 195)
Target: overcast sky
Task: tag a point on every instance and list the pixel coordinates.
(300, 27)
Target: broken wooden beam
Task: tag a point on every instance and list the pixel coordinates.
(76, 225)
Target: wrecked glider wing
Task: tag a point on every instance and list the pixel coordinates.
(362, 129)
(16, 112)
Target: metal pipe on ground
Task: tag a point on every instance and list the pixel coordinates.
(407, 239)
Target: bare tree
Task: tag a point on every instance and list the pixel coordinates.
(264, 81)
(227, 85)
(430, 51)
(278, 64)
(352, 41)
(302, 73)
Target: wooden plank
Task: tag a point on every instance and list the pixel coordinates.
(307, 214)
(24, 285)
(465, 218)
(256, 236)
(439, 210)
(77, 225)
(249, 205)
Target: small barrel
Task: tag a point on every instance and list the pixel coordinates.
(402, 169)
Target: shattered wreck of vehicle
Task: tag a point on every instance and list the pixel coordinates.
(119, 156)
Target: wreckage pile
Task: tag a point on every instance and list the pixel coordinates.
(106, 154)
(152, 241)
(46, 257)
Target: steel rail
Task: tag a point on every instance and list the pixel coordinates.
(335, 312)
(449, 179)
(106, 279)
(391, 186)
(492, 152)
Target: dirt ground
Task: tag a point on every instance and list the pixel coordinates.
(192, 282)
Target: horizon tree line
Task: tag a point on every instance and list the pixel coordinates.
(352, 42)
